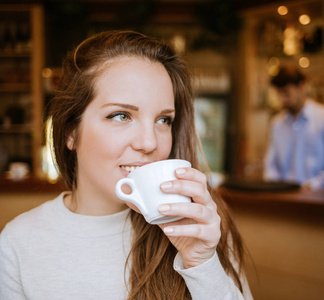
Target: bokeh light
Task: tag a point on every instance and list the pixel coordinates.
(304, 62)
(47, 72)
(282, 10)
(304, 19)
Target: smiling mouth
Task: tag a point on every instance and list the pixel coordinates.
(130, 168)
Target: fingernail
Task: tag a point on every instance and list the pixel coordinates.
(164, 207)
(166, 185)
(168, 229)
(180, 171)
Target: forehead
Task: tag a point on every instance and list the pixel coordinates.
(128, 72)
(102, 67)
(133, 79)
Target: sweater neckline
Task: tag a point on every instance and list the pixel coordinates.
(89, 226)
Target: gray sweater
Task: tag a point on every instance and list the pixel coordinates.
(50, 253)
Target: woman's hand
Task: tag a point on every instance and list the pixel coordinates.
(197, 235)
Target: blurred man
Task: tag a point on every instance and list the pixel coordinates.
(296, 148)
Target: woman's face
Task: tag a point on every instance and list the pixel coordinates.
(127, 125)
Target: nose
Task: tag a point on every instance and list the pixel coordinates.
(145, 139)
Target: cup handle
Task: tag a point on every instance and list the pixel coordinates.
(134, 197)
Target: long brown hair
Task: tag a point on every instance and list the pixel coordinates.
(151, 275)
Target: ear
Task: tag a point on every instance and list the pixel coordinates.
(70, 142)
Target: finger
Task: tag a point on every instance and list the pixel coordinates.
(191, 174)
(199, 231)
(191, 189)
(197, 212)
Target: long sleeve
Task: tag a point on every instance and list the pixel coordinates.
(271, 166)
(10, 281)
(317, 182)
(210, 282)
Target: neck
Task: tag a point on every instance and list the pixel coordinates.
(295, 111)
(91, 206)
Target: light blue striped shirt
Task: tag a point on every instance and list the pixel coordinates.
(296, 149)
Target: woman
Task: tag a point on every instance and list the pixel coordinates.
(124, 101)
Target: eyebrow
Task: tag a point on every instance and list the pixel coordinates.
(128, 106)
(135, 108)
(168, 111)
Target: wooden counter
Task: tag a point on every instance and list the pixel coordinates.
(283, 234)
(301, 196)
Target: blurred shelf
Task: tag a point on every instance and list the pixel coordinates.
(30, 185)
(16, 128)
(21, 65)
(15, 87)
(25, 54)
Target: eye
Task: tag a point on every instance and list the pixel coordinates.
(119, 116)
(165, 121)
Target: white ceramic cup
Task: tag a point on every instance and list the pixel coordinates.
(146, 193)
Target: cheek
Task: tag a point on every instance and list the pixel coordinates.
(98, 144)
(166, 146)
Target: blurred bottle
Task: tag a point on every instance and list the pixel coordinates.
(2, 36)
(26, 37)
(15, 37)
(7, 37)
